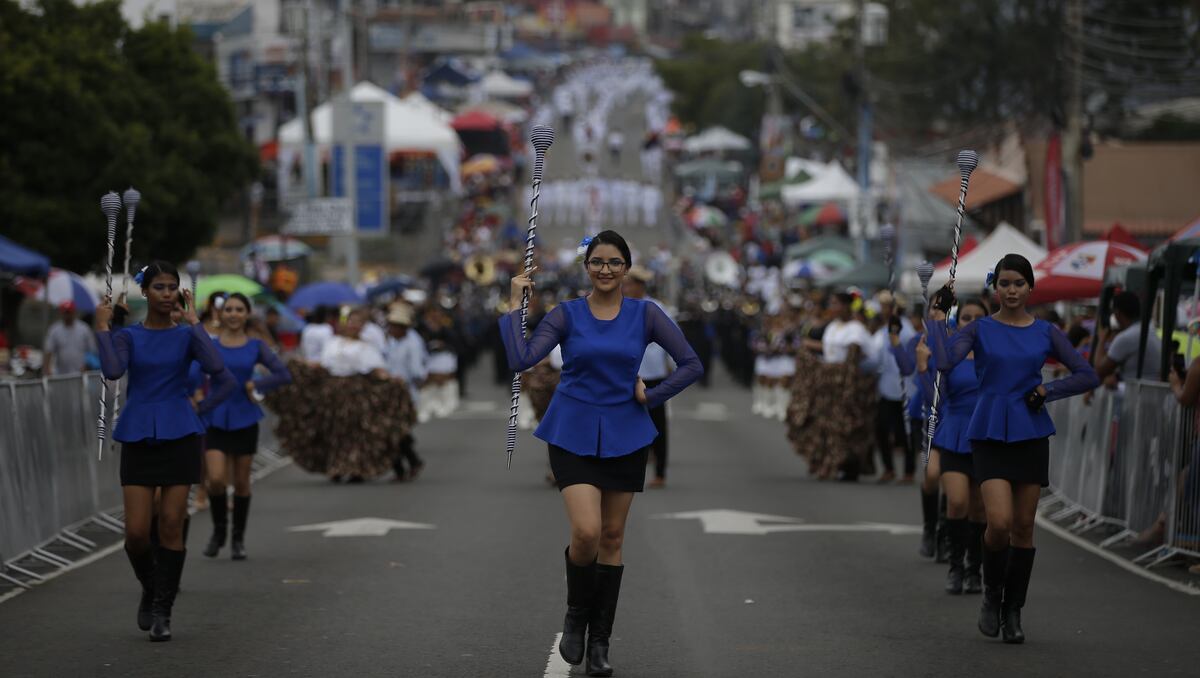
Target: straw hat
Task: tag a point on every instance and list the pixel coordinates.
(400, 314)
(641, 274)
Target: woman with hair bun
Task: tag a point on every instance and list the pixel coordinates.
(160, 430)
(598, 426)
(1009, 429)
(232, 435)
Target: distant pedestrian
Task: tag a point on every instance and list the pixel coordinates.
(656, 367)
(598, 427)
(160, 431)
(68, 343)
(407, 359)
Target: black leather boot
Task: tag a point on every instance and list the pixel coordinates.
(956, 529)
(929, 504)
(995, 566)
(1016, 585)
(608, 590)
(241, 511)
(942, 546)
(972, 579)
(143, 569)
(219, 509)
(168, 568)
(581, 588)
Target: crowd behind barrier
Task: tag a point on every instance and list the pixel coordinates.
(1128, 459)
(50, 473)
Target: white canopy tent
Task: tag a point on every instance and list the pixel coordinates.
(411, 126)
(829, 182)
(422, 102)
(716, 139)
(974, 266)
(501, 85)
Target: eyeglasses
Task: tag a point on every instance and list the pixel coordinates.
(599, 264)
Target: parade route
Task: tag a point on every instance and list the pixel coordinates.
(476, 589)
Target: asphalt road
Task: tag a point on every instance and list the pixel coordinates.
(482, 592)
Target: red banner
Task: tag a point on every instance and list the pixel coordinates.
(1053, 198)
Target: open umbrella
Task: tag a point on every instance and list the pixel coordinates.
(60, 287)
(324, 294)
(830, 214)
(276, 248)
(228, 283)
(707, 216)
(1076, 271)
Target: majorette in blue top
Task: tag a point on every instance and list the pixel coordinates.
(238, 411)
(1008, 362)
(594, 411)
(157, 405)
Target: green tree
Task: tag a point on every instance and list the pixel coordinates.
(90, 106)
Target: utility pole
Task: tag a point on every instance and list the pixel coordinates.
(865, 131)
(348, 151)
(1072, 140)
(305, 91)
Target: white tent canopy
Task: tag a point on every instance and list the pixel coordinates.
(422, 102)
(974, 266)
(716, 139)
(831, 182)
(411, 126)
(502, 85)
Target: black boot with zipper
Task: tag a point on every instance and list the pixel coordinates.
(241, 512)
(956, 530)
(972, 577)
(608, 591)
(168, 568)
(929, 508)
(143, 569)
(220, 519)
(995, 570)
(581, 584)
(1016, 585)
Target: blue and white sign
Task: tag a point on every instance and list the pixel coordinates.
(365, 127)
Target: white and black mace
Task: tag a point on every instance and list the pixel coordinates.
(131, 198)
(541, 138)
(968, 160)
(925, 274)
(110, 204)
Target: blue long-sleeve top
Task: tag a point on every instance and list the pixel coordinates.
(594, 411)
(157, 405)
(906, 360)
(1008, 362)
(957, 398)
(238, 411)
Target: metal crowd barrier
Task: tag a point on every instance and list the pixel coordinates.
(1128, 459)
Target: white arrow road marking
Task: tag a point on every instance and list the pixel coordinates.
(556, 666)
(727, 521)
(361, 527)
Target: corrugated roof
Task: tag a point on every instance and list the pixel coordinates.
(985, 188)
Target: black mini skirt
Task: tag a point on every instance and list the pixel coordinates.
(158, 463)
(626, 473)
(1023, 461)
(240, 442)
(957, 462)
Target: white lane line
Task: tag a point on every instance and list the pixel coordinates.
(556, 667)
(1113, 558)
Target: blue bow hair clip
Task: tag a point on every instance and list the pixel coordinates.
(140, 276)
(990, 277)
(581, 251)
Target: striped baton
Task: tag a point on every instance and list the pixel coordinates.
(131, 198)
(110, 204)
(541, 138)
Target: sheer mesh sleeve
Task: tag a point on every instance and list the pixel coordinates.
(925, 388)
(1082, 379)
(115, 349)
(661, 330)
(195, 378)
(947, 350)
(222, 383)
(905, 355)
(524, 353)
(279, 376)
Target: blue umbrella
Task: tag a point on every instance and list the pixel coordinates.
(324, 294)
(391, 286)
(21, 260)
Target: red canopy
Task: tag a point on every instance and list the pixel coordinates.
(830, 215)
(1076, 271)
(475, 121)
(1117, 233)
(964, 247)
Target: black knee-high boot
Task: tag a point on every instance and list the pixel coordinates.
(241, 512)
(168, 568)
(943, 536)
(581, 589)
(956, 529)
(972, 579)
(1016, 585)
(929, 510)
(219, 509)
(608, 590)
(143, 569)
(995, 571)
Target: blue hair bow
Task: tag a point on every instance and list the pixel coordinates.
(990, 277)
(140, 276)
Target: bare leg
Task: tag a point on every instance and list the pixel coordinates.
(933, 472)
(172, 511)
(583, 512)
(975, 512)
(139, 512)
(614, 512)
(215, 473)
(958, 494)
(242, 464)
(998, 505)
